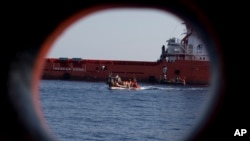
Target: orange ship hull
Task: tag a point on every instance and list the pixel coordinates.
(194, 72)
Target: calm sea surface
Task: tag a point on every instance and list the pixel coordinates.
(79, 111)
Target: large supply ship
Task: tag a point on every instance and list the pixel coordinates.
(185, 61)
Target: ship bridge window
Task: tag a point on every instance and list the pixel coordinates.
(199, 46)
(176, 49)
(199, 49)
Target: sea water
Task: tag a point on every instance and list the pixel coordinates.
(79, 111)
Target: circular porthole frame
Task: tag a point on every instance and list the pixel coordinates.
(20, 103)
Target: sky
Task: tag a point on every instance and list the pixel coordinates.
(118, 34)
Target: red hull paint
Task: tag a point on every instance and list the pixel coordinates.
(194, 72)
(186, 60)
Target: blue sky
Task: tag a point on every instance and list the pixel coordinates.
(119, 34)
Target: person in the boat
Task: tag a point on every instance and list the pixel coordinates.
(134, 83)
(118, 80)
(180, 79)
(164, 77)
(127, 83)
(177, 79)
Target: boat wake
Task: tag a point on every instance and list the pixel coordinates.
(154, 88)
(171, 88)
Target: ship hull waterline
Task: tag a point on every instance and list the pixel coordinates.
(194, 72)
